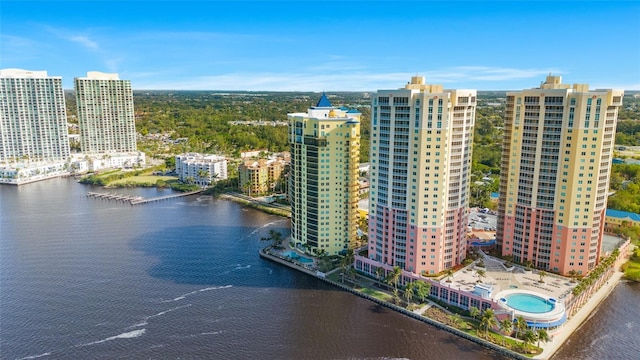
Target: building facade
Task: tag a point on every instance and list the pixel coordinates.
(33, 124)
(261, 175)
(420, 162)
(201, 169)
(323, 181)
(105, 114)
(556, 161)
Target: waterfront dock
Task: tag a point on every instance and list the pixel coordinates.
(137, 200)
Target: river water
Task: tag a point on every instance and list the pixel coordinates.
(83, 278)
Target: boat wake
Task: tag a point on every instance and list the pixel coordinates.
(127, 335)
(35, 356)
(145, 321)
(182, 297)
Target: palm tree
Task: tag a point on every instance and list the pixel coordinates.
(474, 312)
(542, 274)
(481, 273)
(520, 324)
(506, 326)
(394, 276)
(380, 273)
(489, 319)
(449, 274)
(528, 338)
(528, 264)
(572, 275)
(409, 292)
(276, 237)
(396, 296)
(203, 176)
(543, 336)
(455, 320)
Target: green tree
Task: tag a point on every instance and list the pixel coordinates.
(489, 321)
(394, 276)
(520, 324)
(455, 320)
(474, 312)
(542, 274)
(422, 289)
(409, 292)
(528, 338)
(506, 327)
(542, 335)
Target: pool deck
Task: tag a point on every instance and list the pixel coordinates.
(577, 319)
(501, 279)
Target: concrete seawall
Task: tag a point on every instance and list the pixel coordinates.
(401, 310)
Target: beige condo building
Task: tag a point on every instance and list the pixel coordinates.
(556, 161)
(420, 164)
(323, 182)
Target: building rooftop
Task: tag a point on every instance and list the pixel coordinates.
(623, 214)
(324, 101)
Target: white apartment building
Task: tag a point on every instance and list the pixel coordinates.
(105, 114)
(420, 164)
(33, 123)
(201, 169)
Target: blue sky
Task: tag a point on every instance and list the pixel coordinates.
(332, 46)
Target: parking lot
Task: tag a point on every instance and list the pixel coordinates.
(482, 220)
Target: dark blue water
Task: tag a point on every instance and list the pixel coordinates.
(83, 278)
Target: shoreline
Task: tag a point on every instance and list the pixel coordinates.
(548, 349)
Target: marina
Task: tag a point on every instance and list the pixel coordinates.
(137, 200)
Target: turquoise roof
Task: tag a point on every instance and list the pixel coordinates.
(353, 111)
(495, 195)
(324, 101)
(623, 214)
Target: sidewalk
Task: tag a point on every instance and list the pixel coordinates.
(576, 320)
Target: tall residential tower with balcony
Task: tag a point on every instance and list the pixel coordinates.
(323, 183)
(554, 178)
(105, 114)
(420, 162)
(33, 123)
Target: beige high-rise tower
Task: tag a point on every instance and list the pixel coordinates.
(556, 161)
(323, 182)
(420, 164)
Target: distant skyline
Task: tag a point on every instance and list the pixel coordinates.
(331, 45)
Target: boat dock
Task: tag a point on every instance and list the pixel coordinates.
(137, 200)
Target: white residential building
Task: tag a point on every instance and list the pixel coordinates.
(33, 123)
(105, 114)
(201, 169)
(34, 139)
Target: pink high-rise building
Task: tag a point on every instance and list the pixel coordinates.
(420, 163)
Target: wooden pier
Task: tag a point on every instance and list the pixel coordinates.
(137, 200)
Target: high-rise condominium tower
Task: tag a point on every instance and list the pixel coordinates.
(33, 126)
(105, 113)
(554, 177)
(420, 160)
(323, 183)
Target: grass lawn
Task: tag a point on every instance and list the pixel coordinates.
(632, 267)
(376, 294)
(143, 179)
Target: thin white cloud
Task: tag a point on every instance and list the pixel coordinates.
(349, 77)
(85, 41)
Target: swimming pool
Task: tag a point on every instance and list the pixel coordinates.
(294, 256)
(529, 303)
